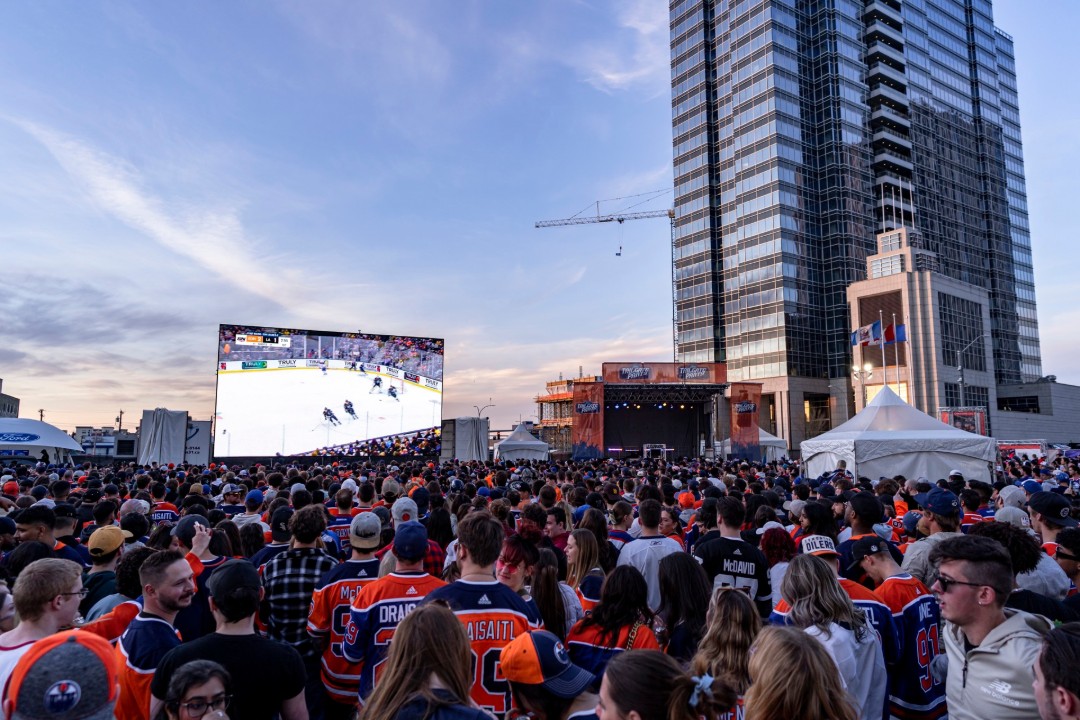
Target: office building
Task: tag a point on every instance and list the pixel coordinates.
(801, 130)
(9, 404)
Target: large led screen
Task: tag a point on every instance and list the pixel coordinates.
(283, 391)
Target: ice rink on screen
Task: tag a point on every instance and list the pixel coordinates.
(265, 412)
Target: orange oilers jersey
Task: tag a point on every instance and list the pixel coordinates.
(493, 615)
(112, 624)
(329, 618)
(587, 647)
(375, 613)
(138, 652)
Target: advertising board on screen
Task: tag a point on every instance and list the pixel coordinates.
(284, 391)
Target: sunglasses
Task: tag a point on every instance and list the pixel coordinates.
(947, 582)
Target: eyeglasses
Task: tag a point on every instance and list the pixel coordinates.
(198, 708)
(947, 582)
(1062, 555)
(81, 593)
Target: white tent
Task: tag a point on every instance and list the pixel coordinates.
(522, 445)
(21, 437)
(772, 447)
(890, 437)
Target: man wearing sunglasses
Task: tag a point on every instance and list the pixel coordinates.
(990, 648)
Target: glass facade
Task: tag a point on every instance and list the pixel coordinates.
(801, 128)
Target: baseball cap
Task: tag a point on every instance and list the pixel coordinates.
(1015, 517)
(911, 522)
(941, 502)
(820, 545)
(255, 496)
(105, 540)
(230, 488)
(184, 531)
(279, 524)
(1011, 496)
(11, 487)
(384, 516)
(391, 487)
(794, 508)
(7, 526)
(538, 658)
(772, 524)
(956, 473)
(421, 496)
(864, 547)
(410, 540)
(686, 500)
(65, 510)
(1032, 486)
(365, 531)
(1053, 507)
(404, 510)
(826, 490)
(296, 487)
(232, 575)
(68, 676)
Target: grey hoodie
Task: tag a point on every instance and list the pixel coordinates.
(994, 679)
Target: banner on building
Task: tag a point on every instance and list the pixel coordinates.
(587, 436)
(745, 433)
(968, 419)
(660, 373)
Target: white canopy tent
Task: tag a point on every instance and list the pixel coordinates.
(21, 437)
(522, 445)
(890, 437)
(772, 447)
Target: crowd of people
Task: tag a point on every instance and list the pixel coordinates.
(420, 444)
(669, 590)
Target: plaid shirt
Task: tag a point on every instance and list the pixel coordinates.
(434, 559)
(290, 580)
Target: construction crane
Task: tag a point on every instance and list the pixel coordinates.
(621, 217)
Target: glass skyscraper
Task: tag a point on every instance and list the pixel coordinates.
(803, 127)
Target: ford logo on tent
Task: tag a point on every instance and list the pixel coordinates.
(18, 437)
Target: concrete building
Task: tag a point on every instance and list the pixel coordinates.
(799, 131)
(9, 404)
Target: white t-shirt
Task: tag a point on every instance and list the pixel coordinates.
(645, 554)
(9, 658)
(776, 576)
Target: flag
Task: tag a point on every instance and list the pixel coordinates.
(895, 334)
(867, 335)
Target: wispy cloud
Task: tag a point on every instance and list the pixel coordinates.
(636, 57)
(214, 238)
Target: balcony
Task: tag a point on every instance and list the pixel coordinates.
(879, 47)
(889, 159)
(881, 72)
(883, 114)
(891, 35)
(889, 95)
(888, 135)
(884, 10)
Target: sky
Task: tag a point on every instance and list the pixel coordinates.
(376, 166)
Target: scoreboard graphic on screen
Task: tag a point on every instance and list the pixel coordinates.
(286, 391)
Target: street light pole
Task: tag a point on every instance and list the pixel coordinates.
(960, 368)
(480, 410)
(862, 374)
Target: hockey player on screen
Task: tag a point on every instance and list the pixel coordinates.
(349, 409)
(329, 415)
(392, 392)
(376, 385)
(324, 369)
(351, 365)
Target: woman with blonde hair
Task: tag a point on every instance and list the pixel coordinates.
(793, 677)
(733, 624)
(428, 673)
(583, 571)
(821, 608)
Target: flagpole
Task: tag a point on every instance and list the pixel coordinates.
(896, 351)
(884, 366)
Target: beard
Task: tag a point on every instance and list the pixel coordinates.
(174, 605)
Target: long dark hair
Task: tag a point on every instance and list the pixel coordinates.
(547, 594)
(624, 600)
(684, 594)
(821, 520)
(439, 527)
(594, 521)
(653, 685)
